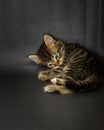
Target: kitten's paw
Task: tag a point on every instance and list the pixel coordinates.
(54, 80)
(49, 89)
(43, 76)
(56, 88)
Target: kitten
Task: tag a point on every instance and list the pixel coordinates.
(71, 67)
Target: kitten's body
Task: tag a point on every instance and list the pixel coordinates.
(72, 68)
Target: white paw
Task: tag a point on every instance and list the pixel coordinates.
(54, 80)
(49, 88)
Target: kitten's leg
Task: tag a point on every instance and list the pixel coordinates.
(57, 88)
(48, 74)
(90, 83)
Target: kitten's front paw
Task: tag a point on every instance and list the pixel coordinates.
(43, 76)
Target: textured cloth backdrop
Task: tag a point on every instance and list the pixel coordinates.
(23, 104)
(23, 22)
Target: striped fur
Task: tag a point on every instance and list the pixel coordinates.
(76, 69)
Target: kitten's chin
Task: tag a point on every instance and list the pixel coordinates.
(56, 67)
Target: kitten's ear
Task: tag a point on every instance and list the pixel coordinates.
(35, 58)
(49, 40)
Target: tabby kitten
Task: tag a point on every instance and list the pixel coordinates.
(71, 67)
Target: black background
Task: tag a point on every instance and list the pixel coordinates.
(23, 104)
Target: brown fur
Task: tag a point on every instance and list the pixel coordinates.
(72, 68)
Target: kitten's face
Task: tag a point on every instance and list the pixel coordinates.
(50, 53)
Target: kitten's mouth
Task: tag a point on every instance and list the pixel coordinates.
(56, 67)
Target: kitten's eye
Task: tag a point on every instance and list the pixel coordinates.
(56, 56)
(50, 64)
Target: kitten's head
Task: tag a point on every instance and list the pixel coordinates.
(50, 53)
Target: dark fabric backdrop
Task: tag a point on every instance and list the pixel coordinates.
(23, 22)
(23, 104)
